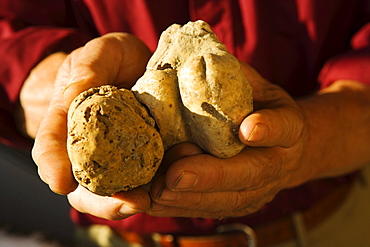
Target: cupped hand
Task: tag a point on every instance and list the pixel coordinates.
(118, 59)
(201, 185)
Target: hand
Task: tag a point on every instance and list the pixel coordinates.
(200, 185)
(36, 94)
(117, 59)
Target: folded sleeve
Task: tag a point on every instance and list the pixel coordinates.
(29, 31)
(353, 65)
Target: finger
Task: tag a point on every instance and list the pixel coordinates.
(208, 205)
(177, 152)
(161, 210)
(277, 120)
(282, 126)
(49, 151)
(210, 201)
(116, 58)
(122, 205)
(50, 154)
(251, 169)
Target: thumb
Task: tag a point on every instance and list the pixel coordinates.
(115, 58)
(277, 121)
(272, 127)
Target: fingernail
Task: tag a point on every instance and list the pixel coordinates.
(186, 181)
(259, 133)
(167, 195)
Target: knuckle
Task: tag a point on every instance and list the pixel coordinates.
(237, 201)
(266, 168)
(221, 179)
(59, 185)
(56, 188)
(201, 202)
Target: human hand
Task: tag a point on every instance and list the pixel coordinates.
(117, 59)
(200, 185)
(36, 94)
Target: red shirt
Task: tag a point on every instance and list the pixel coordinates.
(299, 45)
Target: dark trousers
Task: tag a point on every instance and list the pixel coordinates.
(27, 203)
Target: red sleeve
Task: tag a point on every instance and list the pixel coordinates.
(353, 65)
(29, 31)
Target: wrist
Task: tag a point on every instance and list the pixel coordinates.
(338, 135)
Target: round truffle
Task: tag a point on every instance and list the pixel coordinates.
(112, 141)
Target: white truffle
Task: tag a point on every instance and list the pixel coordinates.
(112, 142)
(195, 90)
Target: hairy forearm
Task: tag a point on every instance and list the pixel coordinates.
(338, 129)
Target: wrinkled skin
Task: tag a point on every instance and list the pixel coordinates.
(116, 58)
(289, 142)
(214, 192)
